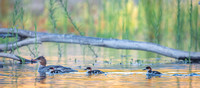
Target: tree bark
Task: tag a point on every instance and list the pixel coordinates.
(31, 37)
(15, 57)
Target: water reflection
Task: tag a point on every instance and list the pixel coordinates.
(178, 82)
(41, 78)
(190, 82)
(22, 75)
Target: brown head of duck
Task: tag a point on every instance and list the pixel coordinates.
(148, 68)
(42, 60)
(88, 69)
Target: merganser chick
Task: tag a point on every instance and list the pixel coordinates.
(53, 71)
(90, 71)
(51, 68)
(151, 73)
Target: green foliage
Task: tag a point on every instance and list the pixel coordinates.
(153, 13)
(22, 59)
(36, 45)
(52, 15)
(52, 10)
(171, 23)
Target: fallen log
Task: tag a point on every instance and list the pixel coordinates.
(32, 37)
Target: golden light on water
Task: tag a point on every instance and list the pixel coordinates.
(156, 21)
(114, 78)
(124, 75)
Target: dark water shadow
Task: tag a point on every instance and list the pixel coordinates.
(41, 79)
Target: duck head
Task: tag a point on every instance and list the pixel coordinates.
(88, 69)
(42, 60)
(148, 68)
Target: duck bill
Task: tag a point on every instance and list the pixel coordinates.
(33, 61)
(85, 69)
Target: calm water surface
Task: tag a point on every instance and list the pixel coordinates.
(123, 70)
(117, 76)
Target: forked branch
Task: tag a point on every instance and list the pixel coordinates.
(94, 41)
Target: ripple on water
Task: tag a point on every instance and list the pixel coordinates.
(27, 76)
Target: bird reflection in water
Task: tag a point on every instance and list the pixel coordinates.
(41, 78)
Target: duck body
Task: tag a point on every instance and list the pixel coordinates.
(95, 72)
(57, 68)
(154, 73)
(151, 73)
(52, 71)
(52, 68)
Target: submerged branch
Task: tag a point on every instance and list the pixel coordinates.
(102, 42)
(15, 57)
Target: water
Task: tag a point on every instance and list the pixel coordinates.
(26, 75)
(122, 71)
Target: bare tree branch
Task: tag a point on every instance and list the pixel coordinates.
(15, 57)
(13, 46)
(102, 42)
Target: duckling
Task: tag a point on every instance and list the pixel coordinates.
(90, 71)
(151, 73)
(53, 71)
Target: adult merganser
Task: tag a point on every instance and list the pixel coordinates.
(90, 71)
(51, 68)
(151, 73)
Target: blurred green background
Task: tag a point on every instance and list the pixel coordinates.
(171, 23)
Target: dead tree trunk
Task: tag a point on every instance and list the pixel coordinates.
(30, 37)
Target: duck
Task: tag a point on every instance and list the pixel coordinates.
(51, 68)
(53, 71)
(90, 71)
(151, 73)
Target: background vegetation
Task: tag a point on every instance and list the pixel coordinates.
(171, 23)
